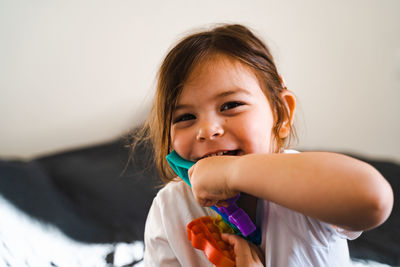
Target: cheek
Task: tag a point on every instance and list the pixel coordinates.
(258, 133)
(180, 142)
(174, 138)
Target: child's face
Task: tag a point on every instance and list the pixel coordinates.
(222, 110)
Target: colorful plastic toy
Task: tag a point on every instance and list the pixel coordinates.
(205, 234)
(180, 166)
(233, 215)
(238, 217)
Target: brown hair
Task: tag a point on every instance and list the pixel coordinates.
(235, 41)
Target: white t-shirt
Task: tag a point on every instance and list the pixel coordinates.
(289, 238)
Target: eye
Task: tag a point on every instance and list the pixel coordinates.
(230, 105)
(184, 117)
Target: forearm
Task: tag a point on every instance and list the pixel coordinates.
(331, 187)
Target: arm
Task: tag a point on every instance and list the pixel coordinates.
(331, 187)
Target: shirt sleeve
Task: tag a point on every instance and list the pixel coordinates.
(350, 235)
(308, 229)
(157, 248)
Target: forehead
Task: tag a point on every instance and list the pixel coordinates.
(218, 74)
(213, 64)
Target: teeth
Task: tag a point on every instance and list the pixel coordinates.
(220, 153)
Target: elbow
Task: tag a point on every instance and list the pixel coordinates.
(377, 202)
(381, 207)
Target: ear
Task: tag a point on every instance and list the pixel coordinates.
(290, 102)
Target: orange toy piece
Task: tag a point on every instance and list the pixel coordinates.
(205, 234)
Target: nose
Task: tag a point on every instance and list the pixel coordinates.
(209, 131)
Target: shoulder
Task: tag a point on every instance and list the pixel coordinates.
(175, 192)
(165, 235)
(177, 199)
(175, 186)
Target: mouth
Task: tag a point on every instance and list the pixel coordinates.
(222, 153)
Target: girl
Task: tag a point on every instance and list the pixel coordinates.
(221, 102)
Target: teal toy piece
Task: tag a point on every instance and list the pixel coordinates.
(180, 166)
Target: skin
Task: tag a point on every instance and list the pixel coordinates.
(223, 108)
(247, 254)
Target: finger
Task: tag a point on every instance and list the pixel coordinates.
(230, 238)
(254, 255)
(204, 202)
(246, 252)
(222, 203)
(239, 244)
(258, 254)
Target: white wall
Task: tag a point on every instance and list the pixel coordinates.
(74, 73)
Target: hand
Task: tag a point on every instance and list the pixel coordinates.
(210, 182)
(247, 254)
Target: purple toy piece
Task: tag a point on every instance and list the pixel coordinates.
(238, 217)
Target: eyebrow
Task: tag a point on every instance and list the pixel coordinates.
(220, 95)
(232, 92)
(178, 107)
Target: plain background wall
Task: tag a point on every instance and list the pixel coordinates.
(76, 73)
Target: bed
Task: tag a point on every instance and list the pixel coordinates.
(87, 207)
